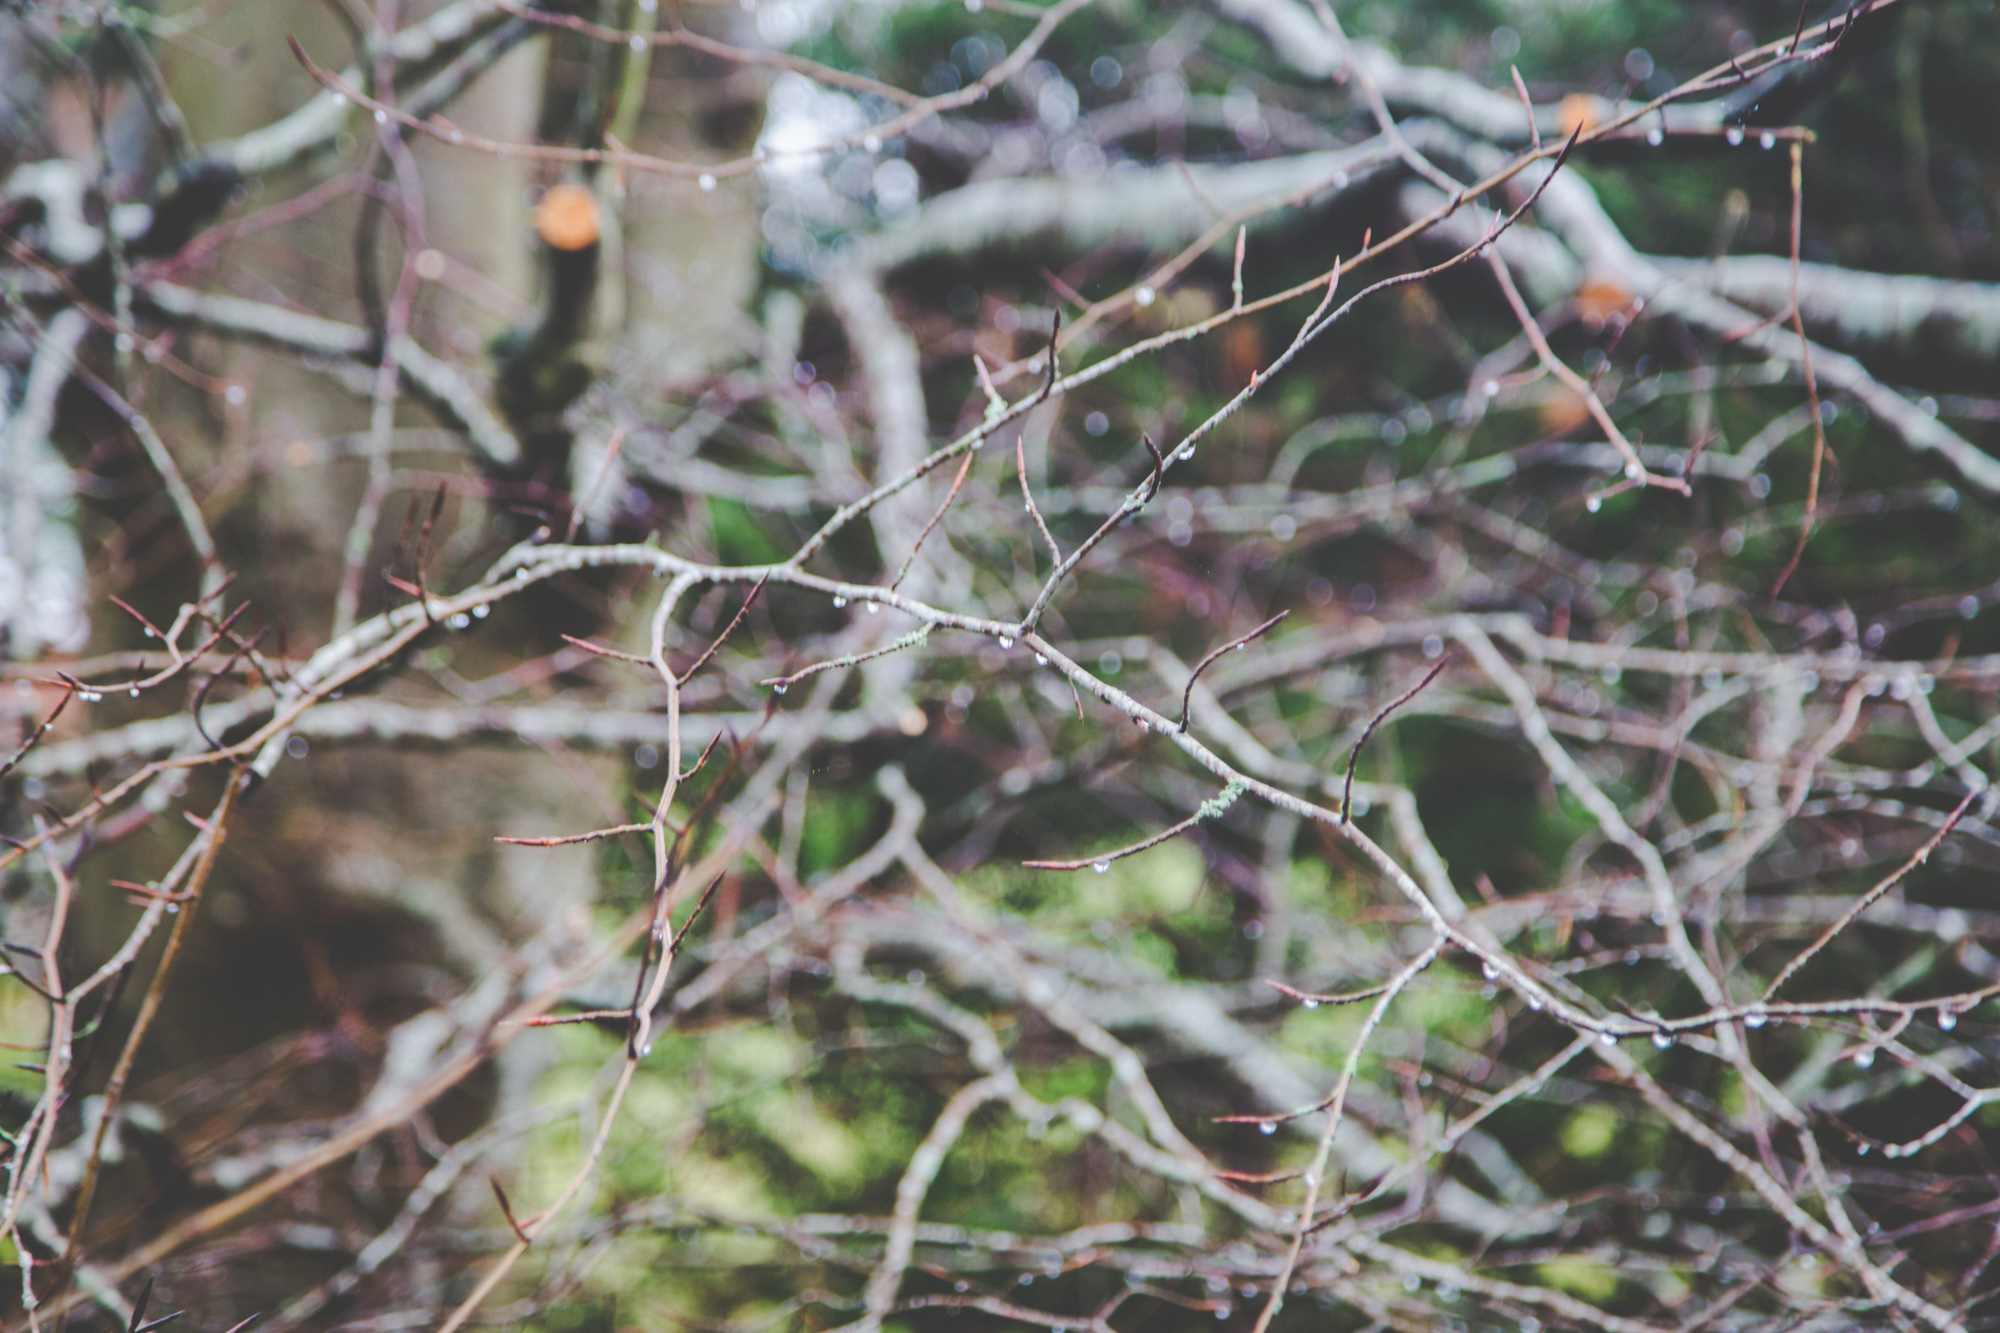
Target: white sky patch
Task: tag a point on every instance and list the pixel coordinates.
(801, 117)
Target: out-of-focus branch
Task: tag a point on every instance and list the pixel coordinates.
(1894, 312)
(443, 384)
(318, 123)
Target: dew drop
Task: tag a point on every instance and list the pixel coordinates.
(1756, 1018)
(1101, 867)
(1312, 1004)
(483, 610)
(1145, 296)
(381, 118)
(1267, 1128)
(839, 602)
(1767, 140)
(1535, 1003)
(459, 621)
(1593, 504)
(707, 182)
(874, 608)
(1656, 137)
(779, 689)
(1864, 1058)
(1662, 1040)
(638, 42)
(1488, 971)
(1040, 660)
(90, 696)
(1735, 135)
(1947, 1019)
(1184, 453)
(1006, 642)
(1862, 1150)
(1608, 1038)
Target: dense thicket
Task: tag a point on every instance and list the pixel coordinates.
(1252, 663)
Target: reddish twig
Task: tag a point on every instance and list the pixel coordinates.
(1868, 899)
(564, 841)
(727, 630)
(780, 684)
(70, 691)
(580, 507)
(1347, 792)
(1806, 366)
(1527, 105)
(1210, 809)
(936, 519)
(599, 650)
(507, 1209)
(1313, 1001)
(1187, 695)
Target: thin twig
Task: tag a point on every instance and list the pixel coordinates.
(1354, 756)
(599, 650)
(581, 507)
(1870, 898)
(567, 839)
(70, 690)
(1527, 105)
(1210, 809)
(913, 639)
(937, 518)
(1187, 695)
(1311, 1000)
(727, 630)
(1806, 367)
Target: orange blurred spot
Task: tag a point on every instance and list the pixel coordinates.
(567, 217)
(1242, 353)
(1578, 111)
(1602, 299)
(1564, 412)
